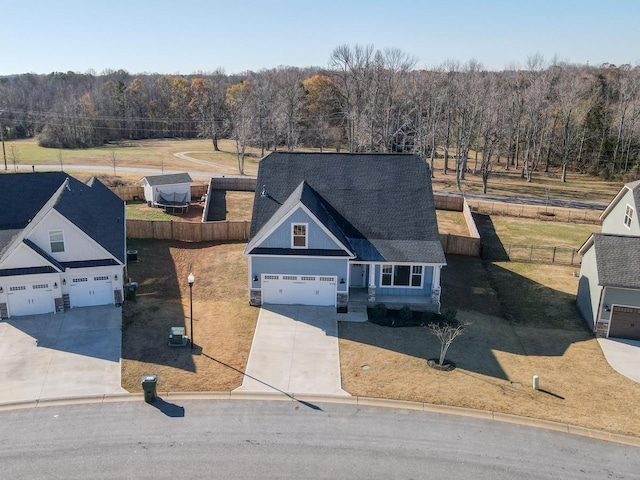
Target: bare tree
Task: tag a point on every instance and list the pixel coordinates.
(240, 115)
(446, 332)
(114, 161)
(14, 154)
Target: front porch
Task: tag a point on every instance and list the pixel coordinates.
(359, 301)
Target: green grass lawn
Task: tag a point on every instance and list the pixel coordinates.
(524, 231)
(142, 153)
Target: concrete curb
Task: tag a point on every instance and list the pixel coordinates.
(359, 401)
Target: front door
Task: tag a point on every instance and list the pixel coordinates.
(358, 272)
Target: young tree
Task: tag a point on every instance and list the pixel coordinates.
(240, 115)
(446, 332)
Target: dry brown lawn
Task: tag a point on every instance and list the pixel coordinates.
(496, 358)
(223, 320)
(452, 222)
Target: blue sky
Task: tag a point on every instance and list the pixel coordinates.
(200, 36)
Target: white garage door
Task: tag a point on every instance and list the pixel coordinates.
(30, 299)
(90, 290)
(299, 290)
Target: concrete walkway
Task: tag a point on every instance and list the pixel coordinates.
(295, 350)
(75, 353)
(623, 356)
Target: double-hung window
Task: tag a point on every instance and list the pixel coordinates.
(299, 235)
(628, 216)
(56, 241)
(401, 276)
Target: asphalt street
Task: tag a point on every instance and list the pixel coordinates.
(289, 439)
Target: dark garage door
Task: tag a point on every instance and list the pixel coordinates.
(625, 323)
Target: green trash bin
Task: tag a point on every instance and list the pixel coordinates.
(132, 288)
(149, 387)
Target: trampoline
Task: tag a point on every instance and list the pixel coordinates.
(174, 202)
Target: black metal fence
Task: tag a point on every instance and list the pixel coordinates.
(532, 254)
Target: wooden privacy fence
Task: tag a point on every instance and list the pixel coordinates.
(460, 245)
(541, 212)
(129, 194)
(227, 230)
(532, 254)
(444, 201)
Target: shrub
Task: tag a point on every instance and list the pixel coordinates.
(379, 311)
(405, 314)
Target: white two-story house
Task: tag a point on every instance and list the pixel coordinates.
(609, 287)
(62, 244)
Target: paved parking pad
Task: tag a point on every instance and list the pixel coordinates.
(75, 353)
(623, 356)
(295, 350)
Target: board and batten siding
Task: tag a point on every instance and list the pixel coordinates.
(614, 221)
(300, 266)
(316, 236)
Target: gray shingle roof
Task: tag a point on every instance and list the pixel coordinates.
(168, 179)
(96, 210)
(381, 203)
(618, 260)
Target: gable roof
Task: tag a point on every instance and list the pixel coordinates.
(317, 206)
(617, 260)
(634, 188)
(92, 207)
(381, 204)
(168, 179)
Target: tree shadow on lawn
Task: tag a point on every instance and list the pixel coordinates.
(506, 313)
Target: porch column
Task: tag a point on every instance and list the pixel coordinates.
(372, 283)
(435, 285)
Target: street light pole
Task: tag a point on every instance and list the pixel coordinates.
(191, 279)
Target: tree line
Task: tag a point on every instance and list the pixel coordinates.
(578, 117)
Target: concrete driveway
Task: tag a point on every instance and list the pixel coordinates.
(75, 353)
(295, 351)
(623, 356)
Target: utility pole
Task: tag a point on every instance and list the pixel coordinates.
(4, 152)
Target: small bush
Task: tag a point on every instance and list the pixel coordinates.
(379, 311)
(405, 314)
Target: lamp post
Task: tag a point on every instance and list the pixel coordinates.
(191, 279)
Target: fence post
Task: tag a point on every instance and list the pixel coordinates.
(531, 253)
(553, 259)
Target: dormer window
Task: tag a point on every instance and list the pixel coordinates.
(628, 216)
(56, 241)
(298, 235)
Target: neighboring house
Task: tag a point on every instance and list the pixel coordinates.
(167, 190)
(609, 287)
(62, 244)
(328, 227)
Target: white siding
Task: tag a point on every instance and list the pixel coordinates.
(614, 221)
(77, 245)
(23, 257)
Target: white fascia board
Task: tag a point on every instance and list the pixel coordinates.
(384, 262)
(614, 202)
(586, 245)
(79, 231)
(325, 229)
(259, 239)
(259, 255)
